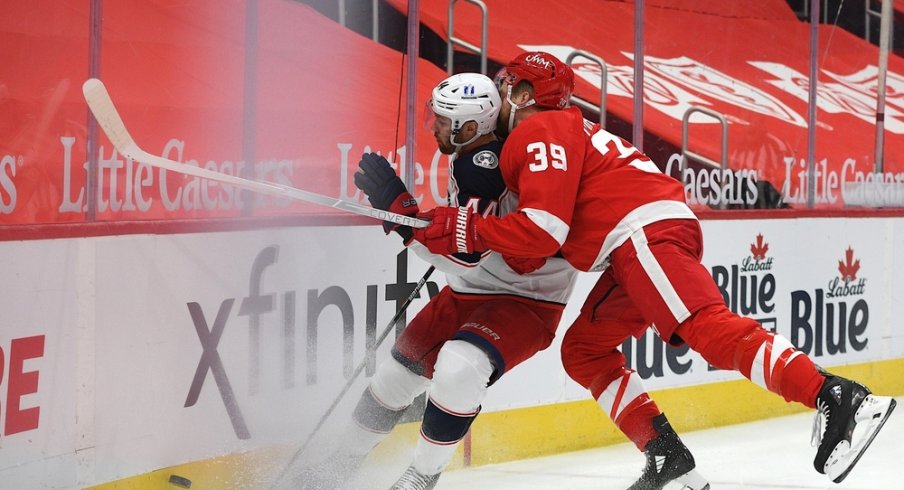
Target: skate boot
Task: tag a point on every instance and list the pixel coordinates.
(840, 406)
(412, 479)
(329, 474)
(668, 460)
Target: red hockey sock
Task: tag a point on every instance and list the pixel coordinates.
(729, 341)
(627, 403)
(802, 381)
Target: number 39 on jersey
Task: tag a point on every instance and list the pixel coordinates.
(546, 155)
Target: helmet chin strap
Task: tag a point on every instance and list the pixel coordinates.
(466, 143)
(515, 107)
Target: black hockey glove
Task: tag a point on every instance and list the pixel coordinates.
(386, 191)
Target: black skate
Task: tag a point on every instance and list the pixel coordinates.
(330, 474)
(668, 460)
(412, 479)
(840, 406)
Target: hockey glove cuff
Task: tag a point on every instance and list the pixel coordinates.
(405, 204)
(452, 230)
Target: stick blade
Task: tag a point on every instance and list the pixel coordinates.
(107, 117)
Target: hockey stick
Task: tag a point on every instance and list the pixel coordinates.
(108, 117)
(351, 380)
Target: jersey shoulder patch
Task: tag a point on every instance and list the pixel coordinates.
(486, 159)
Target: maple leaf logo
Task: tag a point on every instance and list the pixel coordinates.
(849, 267)
(759, 248)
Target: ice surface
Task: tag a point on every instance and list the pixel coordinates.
(773, 454)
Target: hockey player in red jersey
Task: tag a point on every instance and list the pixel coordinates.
(495, 313)
(603, 205)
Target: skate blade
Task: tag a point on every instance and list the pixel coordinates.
(693, 481)
(873, 410)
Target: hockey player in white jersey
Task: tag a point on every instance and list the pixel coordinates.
(492, 316)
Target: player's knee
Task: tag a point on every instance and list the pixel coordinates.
(577, 368)
(394, 386)
(584, 362)
(461, 376)
(597, 374)
(573, 350)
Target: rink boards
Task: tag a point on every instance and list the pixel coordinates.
(125, 355)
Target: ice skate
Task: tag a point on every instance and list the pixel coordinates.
(412, 479)
(330, 474)
(840, 406)
(668, 460)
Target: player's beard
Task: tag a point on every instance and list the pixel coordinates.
(444, 145)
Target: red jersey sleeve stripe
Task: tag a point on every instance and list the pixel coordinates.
(548, 222)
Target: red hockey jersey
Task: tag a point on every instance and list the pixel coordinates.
(581, 190)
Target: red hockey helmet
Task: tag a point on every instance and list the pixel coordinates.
(553, 81)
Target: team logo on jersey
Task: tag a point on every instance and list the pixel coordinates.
(486, 159)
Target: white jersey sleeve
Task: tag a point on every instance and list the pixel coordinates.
(551, 283)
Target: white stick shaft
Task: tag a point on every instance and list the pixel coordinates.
(884, 41)
(109, 120)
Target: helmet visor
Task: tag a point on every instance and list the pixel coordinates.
(429, 115)
(503, 77)
(434, 122)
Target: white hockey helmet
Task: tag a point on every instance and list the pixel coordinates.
(467, 97)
